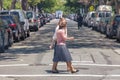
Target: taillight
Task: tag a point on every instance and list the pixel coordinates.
(113, 23)
(13, 25)
(34, 20)
(8, 30)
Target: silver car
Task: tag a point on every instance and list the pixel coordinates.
(23, 19)
(33, 20)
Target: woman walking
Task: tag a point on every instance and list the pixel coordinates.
(54, 38)
(61, 51)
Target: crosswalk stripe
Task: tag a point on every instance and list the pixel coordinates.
(62, 64)
(61, 75)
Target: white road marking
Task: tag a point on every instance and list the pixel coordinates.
(62, 64)
(61, 75)
(85, 64)
(82, 61)
(12, 65)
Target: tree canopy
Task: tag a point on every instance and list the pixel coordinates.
(45, 5)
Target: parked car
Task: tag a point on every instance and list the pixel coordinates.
(112, 26)
(23, 20)
(89, 17)
(6, 38)
(104, 21)
(16, 28)
(118, 29)
(33, 22)
(4, 12)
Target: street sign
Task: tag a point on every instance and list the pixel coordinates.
(91, 8)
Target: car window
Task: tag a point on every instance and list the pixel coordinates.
(29, 14)
(93, 15)
(100, 14)
(4, 13)
(117, 18)
(108, 14)
(1, 23)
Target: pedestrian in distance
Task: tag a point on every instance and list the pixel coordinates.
(61, 51)
(79, 20)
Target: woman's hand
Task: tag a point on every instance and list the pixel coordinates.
(50, 46)
(71, 38)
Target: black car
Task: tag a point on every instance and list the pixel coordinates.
(17, 30)
(6, 38)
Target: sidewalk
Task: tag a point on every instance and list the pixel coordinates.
(3, 78)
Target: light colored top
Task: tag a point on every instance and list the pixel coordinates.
(54, 36)
(61, 37)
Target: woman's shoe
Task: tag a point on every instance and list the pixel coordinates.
(55, 71)
(75, 71)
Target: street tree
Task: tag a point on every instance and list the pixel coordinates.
(13, 4)
(73, 5)
(24, 4)
(1, 4)
(33, 4)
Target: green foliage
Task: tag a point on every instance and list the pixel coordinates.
(7, 4)
(18, 5)
(68, 6)
(34, 2)
(53, 5)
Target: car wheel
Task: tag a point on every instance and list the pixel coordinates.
(28, 34)
(10, 40)
(2, 50)
(17, 38)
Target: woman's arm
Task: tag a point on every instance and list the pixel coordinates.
(64, 36)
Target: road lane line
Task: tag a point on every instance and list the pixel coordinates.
(60, 75)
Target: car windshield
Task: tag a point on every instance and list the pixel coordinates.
(8, 18)
(15, 13)
(108, 14)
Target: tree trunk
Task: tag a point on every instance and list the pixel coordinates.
(13, 4)
(117, 6)
(24, 4)
(1, 4)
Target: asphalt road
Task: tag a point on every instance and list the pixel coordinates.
(96, 57)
